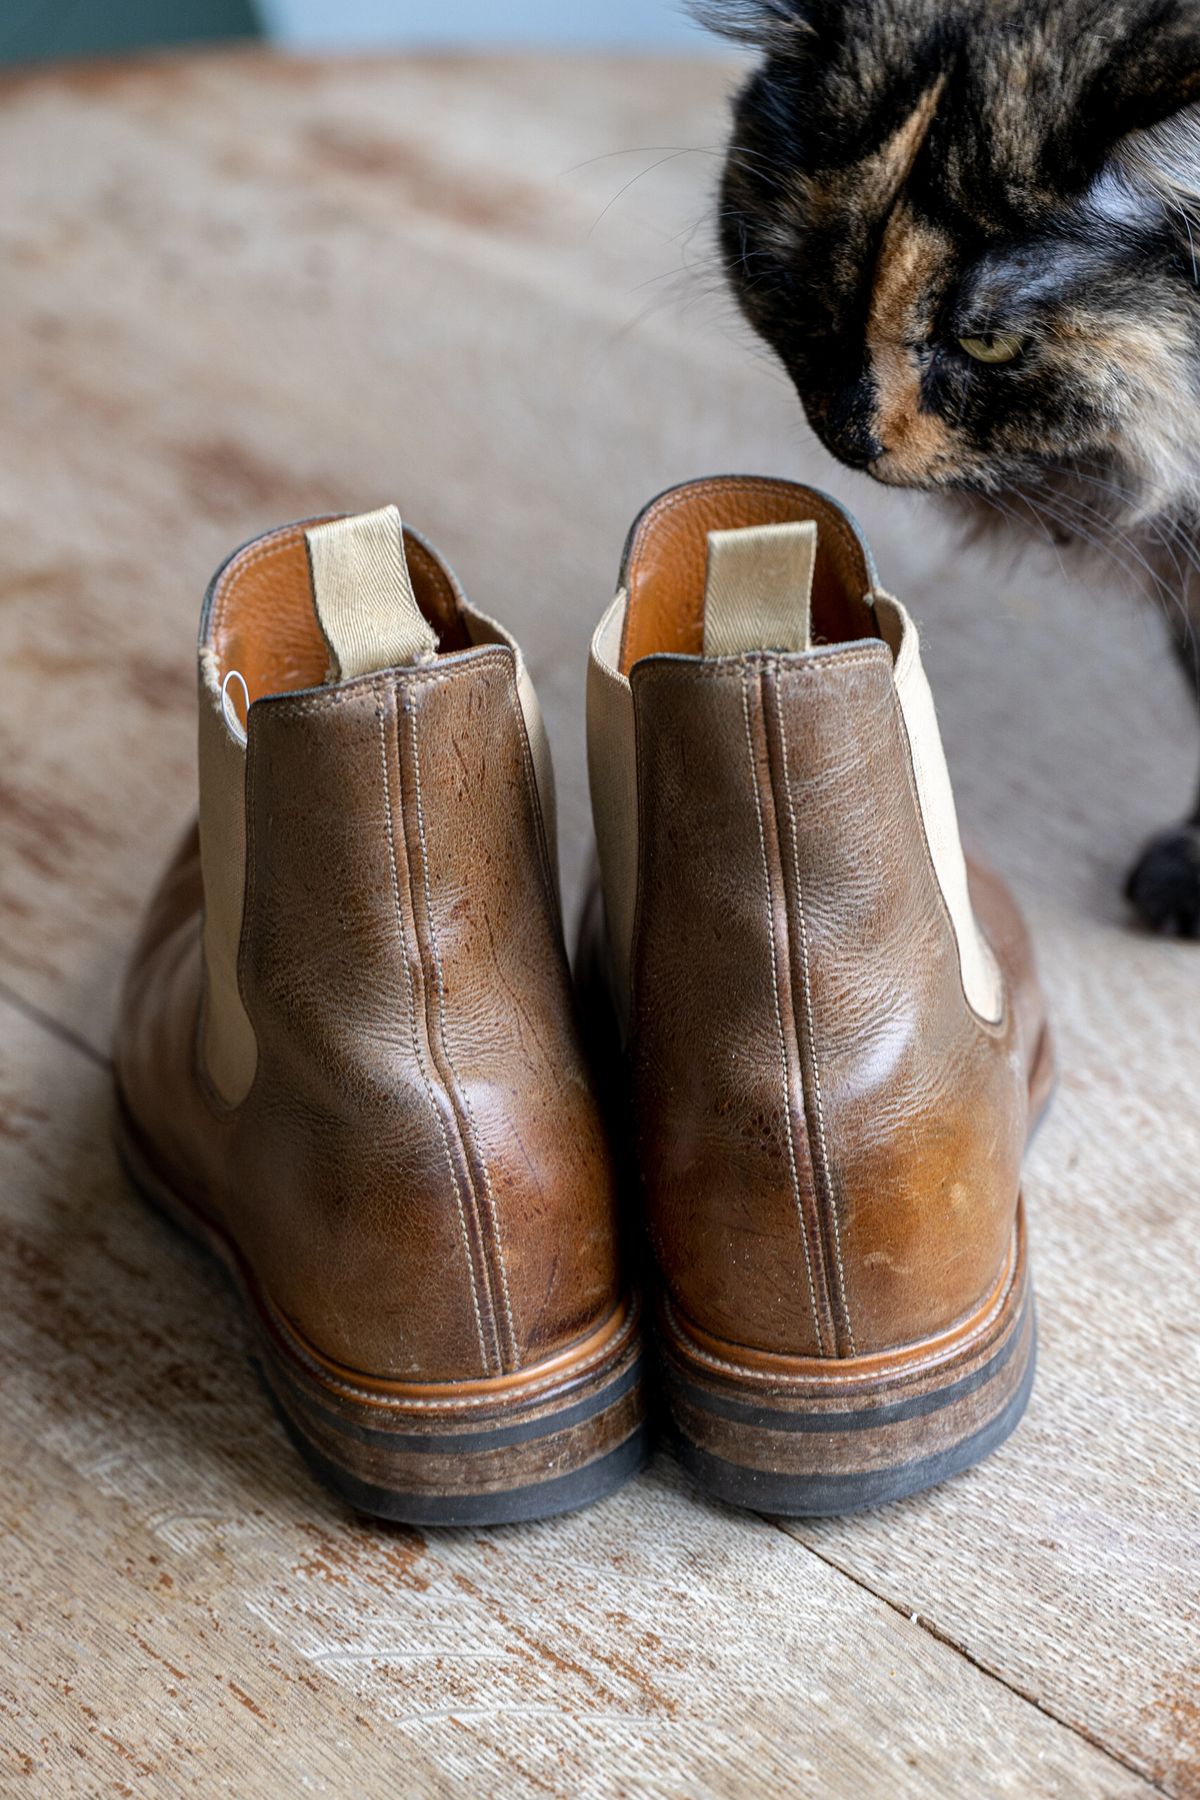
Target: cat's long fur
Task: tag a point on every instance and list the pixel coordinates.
(906, 174)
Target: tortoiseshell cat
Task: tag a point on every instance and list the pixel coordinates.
(972, 232)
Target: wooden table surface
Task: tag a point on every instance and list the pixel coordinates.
(238, 290)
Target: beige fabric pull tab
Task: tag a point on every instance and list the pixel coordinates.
(364, 596)
(758, 589)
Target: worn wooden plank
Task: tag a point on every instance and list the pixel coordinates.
(183, 1609)
(1071, 1562)
(238, 291)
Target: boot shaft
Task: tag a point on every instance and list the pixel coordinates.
(387, 1015)
(829, 1090)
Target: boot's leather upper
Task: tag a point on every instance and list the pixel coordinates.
(347, 1032)
(830, 1026)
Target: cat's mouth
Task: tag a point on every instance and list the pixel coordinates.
(892, 470)
(927, 456)
(989, 480)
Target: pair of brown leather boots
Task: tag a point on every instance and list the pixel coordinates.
(350, 1058)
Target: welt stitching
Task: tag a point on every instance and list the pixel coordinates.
(802, 926)
(534, 1390)
(787, 1101)
(412, 1014)
(441, 994)
(845, 1378)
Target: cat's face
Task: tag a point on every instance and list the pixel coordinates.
(956, 230)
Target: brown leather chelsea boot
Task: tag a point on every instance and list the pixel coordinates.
(836, 1046)
(347, 1057)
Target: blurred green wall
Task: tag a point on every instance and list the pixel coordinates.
(31, 30)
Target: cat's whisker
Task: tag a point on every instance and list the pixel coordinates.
(1024, 522)
(1142, 572)
(1073, 472)
(1160, 529)
(673, 156)
(644, 150)
(1187, 226)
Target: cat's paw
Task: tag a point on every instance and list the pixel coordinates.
(1164, 883)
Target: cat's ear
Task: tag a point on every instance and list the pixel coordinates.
(1151, 69)
(1137, 66)
(766, 24)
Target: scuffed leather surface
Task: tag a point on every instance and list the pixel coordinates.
(334, 1175)
(907, 1115)
(712, 1114)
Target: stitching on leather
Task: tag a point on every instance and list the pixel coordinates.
(787, 1103)
(845, 1378)
(274, 544)
(360, 686)
(615, 1350)
(254, 754)
(313, 703)
(877, 656)
(441, 994)
(753, 484)
(641, 804)
(692, 668)
(724, 484)
(412, 1013)
(802, 924)
(481, 655)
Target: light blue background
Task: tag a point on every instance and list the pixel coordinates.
(350, 24)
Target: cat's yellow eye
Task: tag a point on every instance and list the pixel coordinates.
(993, 346)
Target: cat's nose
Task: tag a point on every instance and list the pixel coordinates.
(849, 426)
(860, 452)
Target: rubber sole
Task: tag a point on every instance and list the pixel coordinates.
(831, 1496)
(819, 1438)
(809, 1438)
(552, 1438)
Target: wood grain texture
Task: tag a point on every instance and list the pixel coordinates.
(238, 291)
(184, 1608)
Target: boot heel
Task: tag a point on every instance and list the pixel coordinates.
(820, 1438)
(557, 1439)
(551, 1438)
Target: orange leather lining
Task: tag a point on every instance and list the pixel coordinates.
(263, 622)
(668, 554)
